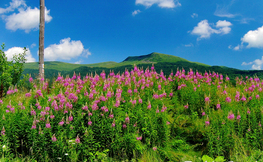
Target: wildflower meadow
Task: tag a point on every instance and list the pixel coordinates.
(138, 115)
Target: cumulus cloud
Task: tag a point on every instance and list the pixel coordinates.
(27, 19)
(78, 62)
(204, 30)
(194, 15)
(13, 5)
(257, 64)
(65, 50)
(160, 3)
(254, 38)
(224, 26)
(135, 12)
(16, 50)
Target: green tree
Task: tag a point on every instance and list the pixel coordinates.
(10, 71)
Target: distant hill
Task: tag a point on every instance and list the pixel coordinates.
(164, 62)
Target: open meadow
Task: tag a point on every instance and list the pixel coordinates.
(139, 115)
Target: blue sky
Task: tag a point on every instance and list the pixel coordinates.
(215, 32)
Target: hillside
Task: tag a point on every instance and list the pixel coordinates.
(164, 62)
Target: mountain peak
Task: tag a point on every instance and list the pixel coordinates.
(153, 58)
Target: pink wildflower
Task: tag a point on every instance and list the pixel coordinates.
(77, 139)
(48, 125)
(54, 139)
(89, 122)
(154, 148)
(231, 116)
(207, 123)
(3, 131)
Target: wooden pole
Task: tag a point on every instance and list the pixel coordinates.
(41, 38)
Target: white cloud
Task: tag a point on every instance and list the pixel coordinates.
(224, 26)
(257, 64)
(27, 19)
(78, 62)
(13, 5)
(254, 38)
(222, 14)
(160, 3)
(204, 30)
(16, 50)
(256, 67)
(238, 47)
(33, 45)
(189, 45)
(135, 12)
(194, 15)
(65, 50)
(222, 10)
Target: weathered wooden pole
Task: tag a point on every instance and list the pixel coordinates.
(41, 38)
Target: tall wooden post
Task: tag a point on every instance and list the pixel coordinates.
(41, 38)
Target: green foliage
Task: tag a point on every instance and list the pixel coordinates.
(10, 71)
(206, 158)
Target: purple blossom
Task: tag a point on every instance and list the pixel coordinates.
(111, 115)
(207, 99)
(3, 131)
(231, 116)
(28, 95)
(70, 118)
(48, 125)
(54, 139)
(61, 123)
(89, 123)
(77, 139)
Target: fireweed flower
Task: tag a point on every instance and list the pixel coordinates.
(186, 106)
(89, 122)
(30, 79)
(139, 138)
(149, 105)
(154, 148)
(28, 95)
(218, 106)
(70, 118)
(207, 99)
(127, 119)
(140, 100)
(77, 139)
(3, 131)
(48, 125)
(228, 99)
(54, 139)
(61, 122)
(34, 125)
(231, 115)
(243, 98)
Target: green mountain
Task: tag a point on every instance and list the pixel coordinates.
(164, 62)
